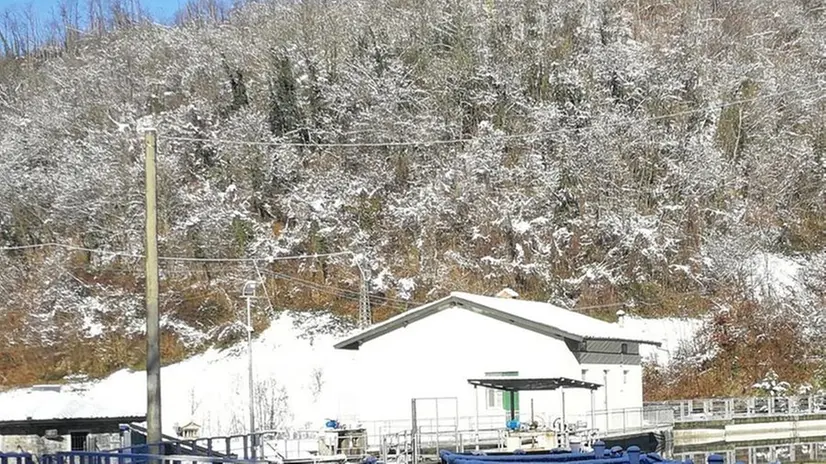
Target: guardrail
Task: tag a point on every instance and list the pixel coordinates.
(697, 410)
(16, 458)
(245, 446)
(81, 457)
(394, 437)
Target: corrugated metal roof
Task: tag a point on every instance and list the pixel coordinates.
(516, 384)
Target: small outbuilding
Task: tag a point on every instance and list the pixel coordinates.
(456, 347)
(50, 418)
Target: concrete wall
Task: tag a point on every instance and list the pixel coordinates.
(39, 445)
(794, 428)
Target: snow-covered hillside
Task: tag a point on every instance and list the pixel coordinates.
(585, 152)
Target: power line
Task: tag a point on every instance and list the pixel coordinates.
(341, 292)
(256, 260)
(602, 306)
(175, 258)
(466, 139)
(354, 294)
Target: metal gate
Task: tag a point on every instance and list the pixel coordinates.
(435, 426)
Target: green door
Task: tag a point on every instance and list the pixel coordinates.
(506, 402)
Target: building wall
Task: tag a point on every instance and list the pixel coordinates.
(434, 357)
(39, 445)
(621, 390)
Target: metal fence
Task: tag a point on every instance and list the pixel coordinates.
(396, 437)
(78, 457)
(790, 452)
(264, 444)
(731, 408)
(16, 458)
(620, 421)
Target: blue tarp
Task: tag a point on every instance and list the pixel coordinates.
(613, 456)
(557, 456)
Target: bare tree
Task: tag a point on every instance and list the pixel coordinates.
(271, 408)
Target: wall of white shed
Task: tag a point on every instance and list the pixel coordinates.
(620, 394)
(434, 357)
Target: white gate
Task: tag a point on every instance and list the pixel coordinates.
(435, 426)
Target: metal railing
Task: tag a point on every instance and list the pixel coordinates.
(619, 421)
(697, 410)
(82, 457)
(16, 458)
(786, 452)
(395, 437)
(267, 443)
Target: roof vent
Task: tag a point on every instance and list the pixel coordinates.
(621, 318)
(507, 293)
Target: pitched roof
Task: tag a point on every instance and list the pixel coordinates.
(539, 317)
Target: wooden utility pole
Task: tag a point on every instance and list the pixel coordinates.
(365, 312)
(153, 346)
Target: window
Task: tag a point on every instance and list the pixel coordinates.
(605, 388)
(584, 375)
(497, 399)
(625, 377)
(79, 441)
(493, 399)
(624, 348)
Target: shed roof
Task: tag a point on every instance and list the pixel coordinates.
(539, 317)
(516, 384)
(40, 404)
(64, 426)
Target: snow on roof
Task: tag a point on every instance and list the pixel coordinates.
(564, 319)
(62, 403)
(542, 317)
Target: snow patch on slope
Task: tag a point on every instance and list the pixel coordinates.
(774, 277)
(292, 359)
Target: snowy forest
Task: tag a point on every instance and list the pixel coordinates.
(663, 157)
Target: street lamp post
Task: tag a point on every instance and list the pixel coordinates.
(248, 292)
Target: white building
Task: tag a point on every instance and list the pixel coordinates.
(433, 350)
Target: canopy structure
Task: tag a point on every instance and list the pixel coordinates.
(516, 384)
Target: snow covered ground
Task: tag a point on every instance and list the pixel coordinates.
(291, 368)
(300, 380)
(773, 276)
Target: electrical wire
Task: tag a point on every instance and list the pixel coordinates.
(466, 140)
(175, 258)
(336, 291)
(323, 287)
